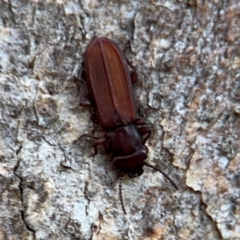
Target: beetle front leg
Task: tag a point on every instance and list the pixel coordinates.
(145, 133)
(140, 121)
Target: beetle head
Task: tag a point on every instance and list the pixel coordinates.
(132, 164)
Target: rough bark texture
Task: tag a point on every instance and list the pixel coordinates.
(187, 54)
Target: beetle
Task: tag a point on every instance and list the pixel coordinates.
(109, 83)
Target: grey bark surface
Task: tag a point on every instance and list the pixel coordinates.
(187, 55)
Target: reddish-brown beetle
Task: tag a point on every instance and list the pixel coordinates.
(109, 84)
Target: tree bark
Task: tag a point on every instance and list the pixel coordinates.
(187, 57)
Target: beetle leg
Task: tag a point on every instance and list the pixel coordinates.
(133, 74)
(98, 142)
(101, 134)
(145, 132)
(100, 139)
(84, 97)
(134, 77)
(85, 102)
(85, 136)
(140, 121)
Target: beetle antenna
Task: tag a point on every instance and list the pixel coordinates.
(163, 173)
(120, 196)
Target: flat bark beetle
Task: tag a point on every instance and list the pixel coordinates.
(109, 83)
